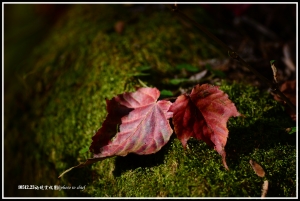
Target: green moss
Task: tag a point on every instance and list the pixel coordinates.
(198, 171)
(58, 103)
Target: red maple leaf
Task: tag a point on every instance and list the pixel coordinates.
(203, 115)
(143, 123)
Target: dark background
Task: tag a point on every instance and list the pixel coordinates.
(258, 32)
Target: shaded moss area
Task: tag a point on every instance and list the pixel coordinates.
(198, 171)
(56, 102)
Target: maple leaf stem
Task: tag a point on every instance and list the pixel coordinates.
(83, 164)
(234, 55)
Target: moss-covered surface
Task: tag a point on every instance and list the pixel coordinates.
(57, 101)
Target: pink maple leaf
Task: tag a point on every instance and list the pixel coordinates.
(203, 115)
(143, 123)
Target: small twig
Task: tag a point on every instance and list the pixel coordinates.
(264, 189)
(234, 55)
(274, 69)
(142, 83)
(170, 99)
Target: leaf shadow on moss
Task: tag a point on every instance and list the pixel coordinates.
(134, 161)
(262, 134)
(265, 140)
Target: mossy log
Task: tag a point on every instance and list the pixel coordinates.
(55, 103)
